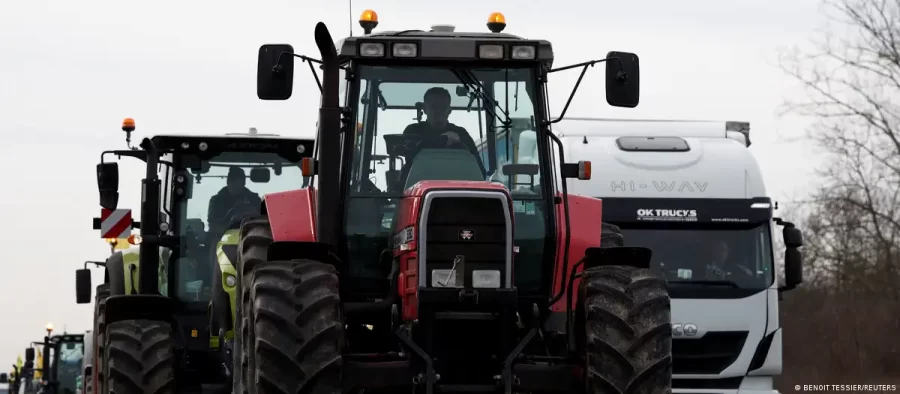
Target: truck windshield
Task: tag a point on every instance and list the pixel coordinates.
(442, 123)
(735, 256)
(229, 191)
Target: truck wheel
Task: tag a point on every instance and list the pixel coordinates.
(140, 358)
(626, 315)
(255, 237)
(102, 293)
(297, 335)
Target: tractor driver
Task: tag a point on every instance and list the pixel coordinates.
(437, 109)
(234, 194)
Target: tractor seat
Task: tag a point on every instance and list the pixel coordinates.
(443, 165)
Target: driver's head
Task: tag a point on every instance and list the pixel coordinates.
(437, 106)
(236, 180)
(720, 251)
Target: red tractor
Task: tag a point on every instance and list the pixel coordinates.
(426, 258)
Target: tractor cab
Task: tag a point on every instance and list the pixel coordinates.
(441, 105)
(196, 192)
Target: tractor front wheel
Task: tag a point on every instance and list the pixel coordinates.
(139, 358)
(627, 320)
(297, 330)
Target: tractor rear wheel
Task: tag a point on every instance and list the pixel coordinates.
(627, 320)
(99, 327)
(297, 334)
(139, 358)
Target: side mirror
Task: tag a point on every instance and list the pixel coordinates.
(83, 286)
(108, 184)
(793, 238)
(260, 175)
(29, 354)
(623, 79)
(4, 378)
(275, 72)
(793, 268)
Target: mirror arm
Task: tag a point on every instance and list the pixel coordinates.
(97, 263)
(137, 154)
(308, 60)
(584, 66)
(784, 223)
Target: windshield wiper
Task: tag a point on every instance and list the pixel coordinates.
(468, 79)
(727, 283)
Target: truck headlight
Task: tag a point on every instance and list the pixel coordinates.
(486, 279)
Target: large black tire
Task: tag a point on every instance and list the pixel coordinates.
(140, 358)
(102, 294)
(627, 320)
(255, 237)
(292, 328)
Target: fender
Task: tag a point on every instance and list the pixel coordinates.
(122, 267)
(585, 216)
(292, 215)
(226, 257)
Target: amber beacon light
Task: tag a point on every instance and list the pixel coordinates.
(496, 22)
(368, 21)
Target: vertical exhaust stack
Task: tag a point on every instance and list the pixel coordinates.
(329, 141)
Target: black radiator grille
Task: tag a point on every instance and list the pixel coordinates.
(474, 227)
(709, 355)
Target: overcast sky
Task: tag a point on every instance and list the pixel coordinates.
(71, 70)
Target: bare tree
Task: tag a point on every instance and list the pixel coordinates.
(853, 87)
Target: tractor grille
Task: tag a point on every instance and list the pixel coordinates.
(473, 227)
(709, 355)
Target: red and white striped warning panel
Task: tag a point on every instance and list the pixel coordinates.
(115, 223)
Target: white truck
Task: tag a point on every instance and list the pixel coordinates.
(692, 192)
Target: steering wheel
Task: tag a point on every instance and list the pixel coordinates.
(407, 145)
(240, 212)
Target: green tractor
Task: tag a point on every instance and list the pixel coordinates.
(65, 358)
(171, 296)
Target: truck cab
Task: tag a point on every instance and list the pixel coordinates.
(693, 193)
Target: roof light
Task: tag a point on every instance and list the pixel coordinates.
(404, 49)
(496, 22)
(490, 51)
(371, 49)
(523, 52)
(368, 21)
(128, 125)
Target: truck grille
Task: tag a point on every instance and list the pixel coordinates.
(474, 227)
(709, 355)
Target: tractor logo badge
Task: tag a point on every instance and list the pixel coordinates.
(466, 235)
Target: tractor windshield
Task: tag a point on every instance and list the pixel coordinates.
(68, 364)
(224, 190)
(440, 123)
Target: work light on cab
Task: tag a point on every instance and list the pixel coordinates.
(368, 21)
